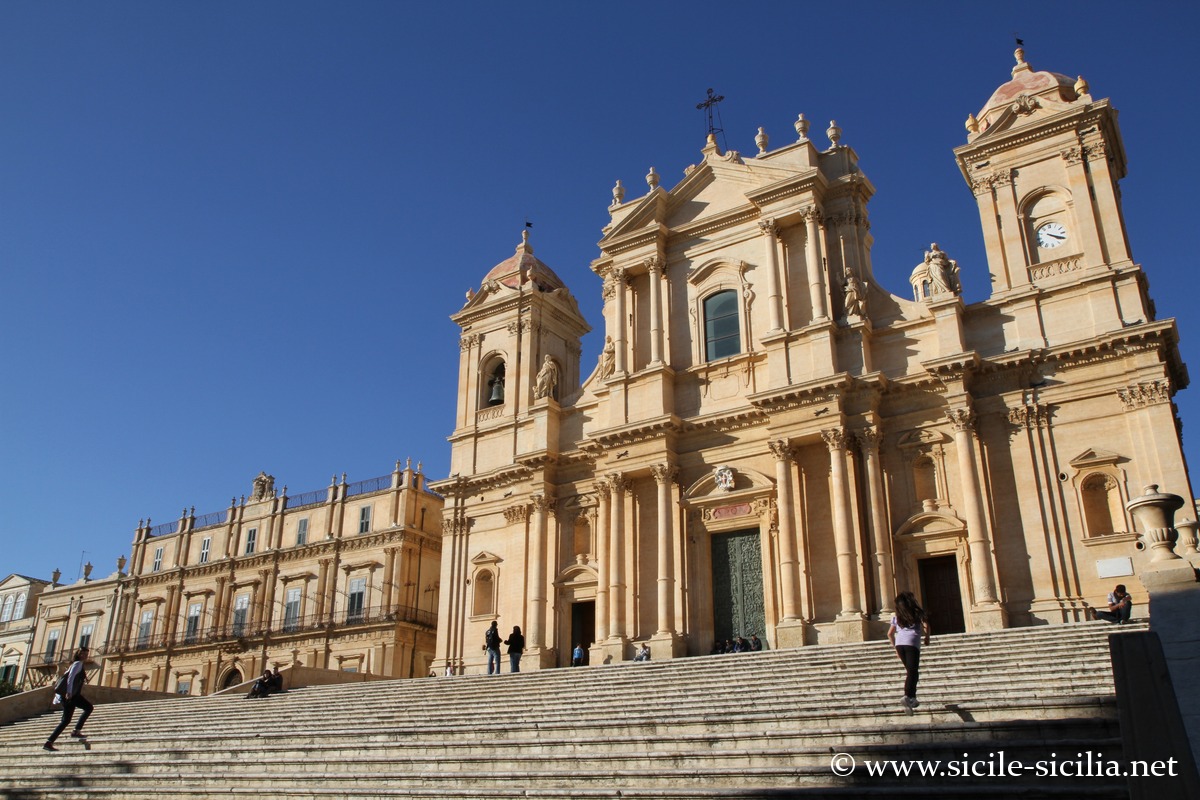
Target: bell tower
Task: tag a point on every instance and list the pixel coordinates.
(519, 356)
(1043, 159)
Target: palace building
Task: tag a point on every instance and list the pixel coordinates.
(778, 436)
(342, 578)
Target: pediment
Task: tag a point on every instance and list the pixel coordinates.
(702, 272)
(647, 212)
(1025, 110)
(1093, 457)
(484, 557)
(923, 438)
(578, 574)
(932, 523)
(724, 483)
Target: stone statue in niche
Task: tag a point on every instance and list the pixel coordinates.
(608, 358)
(855, 299)
(547, 380)
(264, 487)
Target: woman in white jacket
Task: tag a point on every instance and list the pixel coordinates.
(71, 693)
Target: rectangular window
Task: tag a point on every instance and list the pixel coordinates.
(251, 539)
(205, 547)
(145, 628)
(356, 595)
(193, 623)
(241, 611)
(364, 519)
(302, 531)
(291, 610)
(157, 560)
(183, 687)
(51, 644)
(85, 635)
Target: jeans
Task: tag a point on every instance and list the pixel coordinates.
(911, 656)
(69, 706)
(514, 662)
(493, 661)
(1121, 615)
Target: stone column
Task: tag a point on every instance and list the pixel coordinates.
(774, 302)
(663, 475)
(816, 274)
(787, 535)
(654, 266)
(847, 552)
(983, 579)
(218, 610)
(389, 563)
(603, 512)
(616, 572)
(869, 439)
(620, 365)
(537, 571)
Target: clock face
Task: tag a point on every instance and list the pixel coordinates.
(1051, 235)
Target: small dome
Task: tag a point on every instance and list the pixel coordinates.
(1026, 82)
(521, 267)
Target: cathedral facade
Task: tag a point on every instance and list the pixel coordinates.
(772, 443)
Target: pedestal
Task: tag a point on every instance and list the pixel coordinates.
(990, 617)
(666, 645)
(791, 633)
(613, 650)
(849, 628)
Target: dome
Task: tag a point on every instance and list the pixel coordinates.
(1027, 83)
(521, 267)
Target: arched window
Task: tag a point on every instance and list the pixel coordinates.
(6, 615)
(485, 594)
(722, 332)
(493, 385)
(1102, 510)
(19, 608)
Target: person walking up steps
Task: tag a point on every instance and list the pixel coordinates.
(491, 643)
(908, 630)
(70, 689)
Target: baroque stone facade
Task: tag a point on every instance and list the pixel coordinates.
(343, 578)
(773, 442)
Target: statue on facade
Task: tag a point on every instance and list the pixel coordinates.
(942, 270)
(608, 358)
(547, 379)
(854, 298)
(264, 487)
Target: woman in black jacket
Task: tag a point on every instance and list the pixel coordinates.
(516, 646)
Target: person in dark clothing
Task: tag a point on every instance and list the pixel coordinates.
(755, 643)
(491, 643)
(276, 681)
(70, 691)
(262, 686)
(516, 646)
(909, 629)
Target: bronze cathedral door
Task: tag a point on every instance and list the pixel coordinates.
(737, 584)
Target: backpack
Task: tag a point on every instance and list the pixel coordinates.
(492, 638)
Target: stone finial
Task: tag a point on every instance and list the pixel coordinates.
(618, 194)
(121, 564)
(652, 179)
(1081, 86)
(834, 133)
(801, 124)
(1022, 64)
(87, 571)
(54, 576)
(761, 140)
(972, 124)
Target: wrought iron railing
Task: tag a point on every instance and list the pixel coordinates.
(165, 529)
(210, 519)
(369, 485)
(308, 498)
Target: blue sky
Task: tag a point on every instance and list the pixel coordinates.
(232, 234)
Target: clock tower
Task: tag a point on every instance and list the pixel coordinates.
(1043, 159)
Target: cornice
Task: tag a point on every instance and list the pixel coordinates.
(639, 432)
(1007, 140)
(729, 219)
(825, 390)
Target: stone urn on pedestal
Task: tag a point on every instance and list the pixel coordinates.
(1154, 513)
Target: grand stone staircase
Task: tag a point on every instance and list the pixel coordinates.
(750, 725)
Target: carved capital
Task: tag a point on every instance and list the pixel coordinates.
(1145, 393)
(987, 183)
(517, 513)
(812, 214)
(654, 265)
(620, 484)
(541, 503)
(835, 439)
(869, 439)
(962, 419)
(1072, 155)
(664, 473)
(603, 488)
(769, 227)
(781, 449)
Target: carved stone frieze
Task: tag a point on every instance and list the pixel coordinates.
(1058, 267)
(517, 513)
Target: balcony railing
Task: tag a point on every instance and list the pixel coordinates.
(340, 620)
(368, 486)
